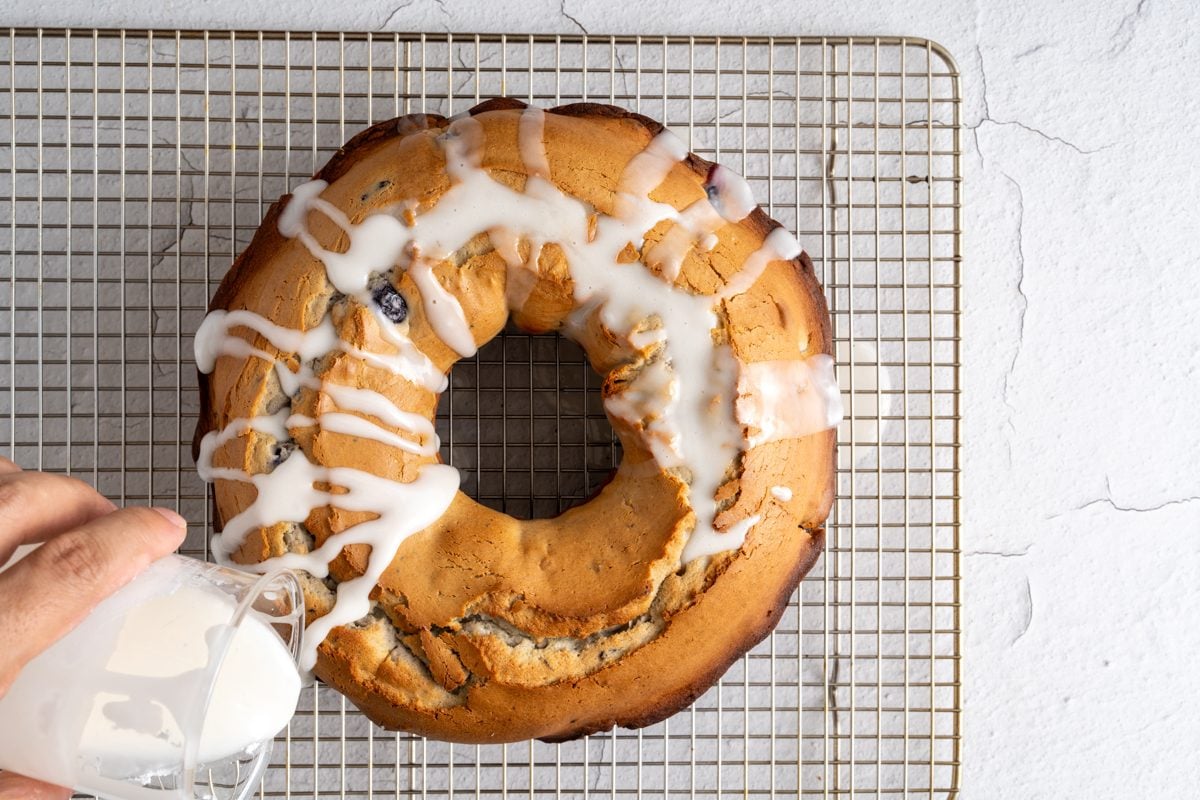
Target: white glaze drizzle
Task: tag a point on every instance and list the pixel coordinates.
(728, 200)
(368, 401)
(408, 361)
(348, 271)
(274, 425)
(645, 403)
(778, 246)
(443, 310)
(697, 222)
(531, 141)
(519, 284)
(522, 273)
(731, 539)
(682, 399)
(508, 245)
(781, 493)
(788, 399)
(291, 219)
(213, 339)
(375, 246)
(287, 494)
(649, 168)
(730, 194)
(352, 425)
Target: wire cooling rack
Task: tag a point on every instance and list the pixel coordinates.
(137, 164)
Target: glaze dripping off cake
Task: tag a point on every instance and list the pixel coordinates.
(328, 344)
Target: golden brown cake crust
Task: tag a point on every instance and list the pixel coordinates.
(487, 628)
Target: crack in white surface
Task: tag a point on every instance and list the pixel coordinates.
(988, 119)
(392, 16)
(740, 108)
(221, 237)
(1123, 36)
(562, 10)
(185, 221)
(1179, 501)
(174, 59)
(1108, 500)
(624, 75)
(471, 71)
(1028, 613)
(1048, 137)
(999, 553)
(599, 761)
(179, 150)
(467, 77)
(1037, 48)
(983, 90)
(1021, 311)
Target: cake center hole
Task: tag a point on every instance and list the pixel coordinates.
(523, 421)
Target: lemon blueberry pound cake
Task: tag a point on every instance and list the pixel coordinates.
(329, 341)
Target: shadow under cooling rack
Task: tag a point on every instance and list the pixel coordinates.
(137, 164)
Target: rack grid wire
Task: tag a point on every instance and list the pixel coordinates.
(137, 164)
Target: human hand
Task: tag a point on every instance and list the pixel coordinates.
(91, 549)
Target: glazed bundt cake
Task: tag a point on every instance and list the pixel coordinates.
(329, 341)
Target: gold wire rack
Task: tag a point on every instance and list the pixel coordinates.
(137, 164)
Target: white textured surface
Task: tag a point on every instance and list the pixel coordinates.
(1082, 497)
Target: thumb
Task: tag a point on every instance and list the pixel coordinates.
(18, 787)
